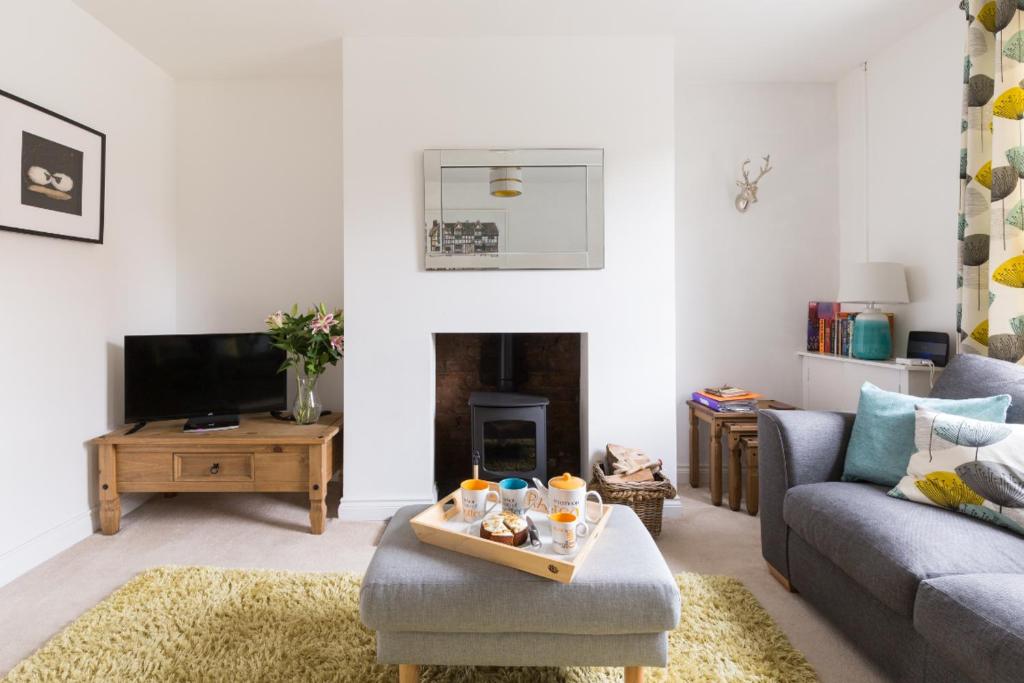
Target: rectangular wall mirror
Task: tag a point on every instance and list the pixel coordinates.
(495, 209)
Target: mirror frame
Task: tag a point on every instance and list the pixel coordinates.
(434, 160)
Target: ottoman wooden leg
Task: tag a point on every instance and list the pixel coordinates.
(408, 673)
(634, 674)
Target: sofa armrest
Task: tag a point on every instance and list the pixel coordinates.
(795, 447)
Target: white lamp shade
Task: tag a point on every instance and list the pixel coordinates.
(875, 282)
(507, 181)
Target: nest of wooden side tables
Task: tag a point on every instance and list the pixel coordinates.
(646, 498)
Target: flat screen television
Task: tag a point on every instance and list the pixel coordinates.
(201, 376)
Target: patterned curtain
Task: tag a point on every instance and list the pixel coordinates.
(990, 315)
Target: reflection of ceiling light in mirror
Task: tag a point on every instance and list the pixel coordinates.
(507, 181)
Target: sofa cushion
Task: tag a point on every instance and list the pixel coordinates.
(975, 621)
(969, 466)
(971, 376)
(882, 440)
(624, 587)
(888, 546)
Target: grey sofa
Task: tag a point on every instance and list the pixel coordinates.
(929, 594)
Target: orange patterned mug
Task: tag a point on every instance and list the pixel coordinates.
(566, 527)
(476, 493)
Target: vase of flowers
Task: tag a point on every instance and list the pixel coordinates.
(312, 341)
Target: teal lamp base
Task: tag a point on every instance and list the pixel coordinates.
(872, 339)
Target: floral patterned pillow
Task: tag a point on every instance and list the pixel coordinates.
(967, 465)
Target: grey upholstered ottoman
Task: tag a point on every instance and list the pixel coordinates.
(429, 605)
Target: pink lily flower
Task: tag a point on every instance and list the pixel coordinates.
(322, 323)
(338, 343)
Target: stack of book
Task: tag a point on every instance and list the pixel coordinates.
(727, 399)
(831, 330)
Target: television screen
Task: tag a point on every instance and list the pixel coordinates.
(190, 375)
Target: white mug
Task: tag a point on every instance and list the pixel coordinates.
(476, 493)
(566, 527)
(516, 496)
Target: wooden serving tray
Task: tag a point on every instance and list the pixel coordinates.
(442, 525)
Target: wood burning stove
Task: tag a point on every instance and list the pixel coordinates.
(509, 430)
(510, 434)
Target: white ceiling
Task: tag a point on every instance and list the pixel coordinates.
(716, 40)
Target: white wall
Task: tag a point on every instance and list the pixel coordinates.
(66, 306)
(402, 96)
(914, 90)
(744, 280)
(259, 204)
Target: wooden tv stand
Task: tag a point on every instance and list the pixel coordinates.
(264, 454)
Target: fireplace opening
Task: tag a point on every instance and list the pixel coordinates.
(513, 400)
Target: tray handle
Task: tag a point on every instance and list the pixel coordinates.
(454, 509)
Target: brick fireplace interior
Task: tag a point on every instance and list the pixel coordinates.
(545, 365)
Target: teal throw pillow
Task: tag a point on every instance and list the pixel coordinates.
(883, 433)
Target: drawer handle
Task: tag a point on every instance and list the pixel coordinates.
(215, 468)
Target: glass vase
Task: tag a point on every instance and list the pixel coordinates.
(307, 407)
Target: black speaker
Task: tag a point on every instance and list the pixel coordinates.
(933, 346)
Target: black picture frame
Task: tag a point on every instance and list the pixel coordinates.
(102, 138)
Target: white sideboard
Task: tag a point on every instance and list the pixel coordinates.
(833, 382)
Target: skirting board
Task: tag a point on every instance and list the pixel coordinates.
(683, 473)
(35, 551)
(375, 510)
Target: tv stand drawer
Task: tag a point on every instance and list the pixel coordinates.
(213, 467)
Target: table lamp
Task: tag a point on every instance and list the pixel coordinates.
(871, 283)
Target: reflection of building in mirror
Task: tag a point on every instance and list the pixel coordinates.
(469, 237)
(468, 232)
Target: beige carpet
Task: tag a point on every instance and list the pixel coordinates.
(205, 624)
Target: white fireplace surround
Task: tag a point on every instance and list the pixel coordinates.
(404, 95)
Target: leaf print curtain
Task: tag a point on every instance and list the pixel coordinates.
(990, 230)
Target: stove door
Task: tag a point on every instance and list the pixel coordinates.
(512, 442)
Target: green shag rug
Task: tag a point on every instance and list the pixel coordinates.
(205, 624)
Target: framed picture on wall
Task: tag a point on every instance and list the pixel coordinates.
(51, 173)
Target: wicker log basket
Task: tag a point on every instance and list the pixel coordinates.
(647, 498)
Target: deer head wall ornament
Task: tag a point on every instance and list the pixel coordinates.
(748, 187)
